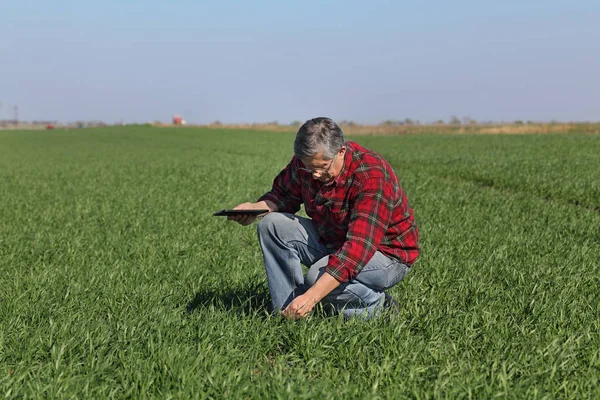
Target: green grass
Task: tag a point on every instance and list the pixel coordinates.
(116, 281)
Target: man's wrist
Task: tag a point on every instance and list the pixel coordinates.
(313, 295)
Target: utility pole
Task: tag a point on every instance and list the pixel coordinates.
(0, 112)
(16, 108)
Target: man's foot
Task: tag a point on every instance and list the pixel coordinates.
(390, 304)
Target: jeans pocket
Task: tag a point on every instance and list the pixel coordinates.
(398, 273)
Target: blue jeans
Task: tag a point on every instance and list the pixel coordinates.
(288, 241)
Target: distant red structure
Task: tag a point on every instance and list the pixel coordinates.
(49, 126)
(177, 120)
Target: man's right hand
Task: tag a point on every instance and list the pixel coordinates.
(248, 219)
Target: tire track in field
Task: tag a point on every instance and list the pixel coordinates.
(487, 184)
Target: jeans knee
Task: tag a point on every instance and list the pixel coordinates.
(315, 271)
(266, 223)
(313, 276)
(275, 224)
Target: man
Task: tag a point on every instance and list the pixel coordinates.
(360, 240)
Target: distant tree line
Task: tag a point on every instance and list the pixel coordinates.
(453, 120)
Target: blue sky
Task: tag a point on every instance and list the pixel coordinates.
(257, 61)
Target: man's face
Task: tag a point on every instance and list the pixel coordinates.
(322, 169)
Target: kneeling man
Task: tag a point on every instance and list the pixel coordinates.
(360, 239)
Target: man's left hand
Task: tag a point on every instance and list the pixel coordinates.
(299, 307)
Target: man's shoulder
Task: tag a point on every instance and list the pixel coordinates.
(357, 148)
(363, 154)
(367, 163)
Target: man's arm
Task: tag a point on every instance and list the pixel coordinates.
(286, 192)
(370, 216)
(303, 304)
(369, 219)
(248, 219)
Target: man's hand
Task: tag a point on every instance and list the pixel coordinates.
(303, 304)
(299, 307)
(248, 219)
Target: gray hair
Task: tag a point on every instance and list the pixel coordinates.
(319, 135)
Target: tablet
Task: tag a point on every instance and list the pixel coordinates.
(224, 213)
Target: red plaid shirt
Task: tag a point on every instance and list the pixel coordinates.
(363, 210)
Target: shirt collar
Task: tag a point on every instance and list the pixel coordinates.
(343, 175)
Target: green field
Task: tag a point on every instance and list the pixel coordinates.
(117, 281)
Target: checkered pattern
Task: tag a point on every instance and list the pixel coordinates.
(363, 210)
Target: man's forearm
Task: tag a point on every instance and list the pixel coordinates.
(322, 287)
(267, 204)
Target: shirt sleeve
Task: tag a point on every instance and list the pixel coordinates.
(369, 219)
(286, 192)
